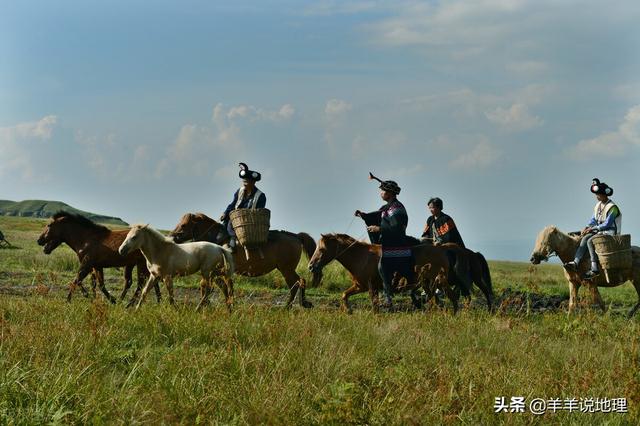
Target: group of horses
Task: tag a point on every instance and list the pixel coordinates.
(193, 246)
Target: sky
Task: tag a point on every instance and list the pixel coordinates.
(505, 109)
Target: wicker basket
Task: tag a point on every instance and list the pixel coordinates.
(251, 226)
(614, 251)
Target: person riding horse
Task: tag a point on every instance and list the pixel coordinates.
(248, 196)
(387, 227)
(440, 227)
(607, 219)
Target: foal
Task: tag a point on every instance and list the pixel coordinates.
(166, 259)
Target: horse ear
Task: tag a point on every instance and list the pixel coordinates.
(146, 226)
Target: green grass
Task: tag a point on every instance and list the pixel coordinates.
(89, 362)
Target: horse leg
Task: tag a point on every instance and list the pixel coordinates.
(94, 279)
(100, 275)
(597, 298)
(205, 291)
(128, 280)
(77, 282)
(453, 294)
(222, 284)
(168, 282)
(228, 281)
(302, 298)
(573, 294)
(151, 281)
(636, 285)
(295, 283)
(354, 289)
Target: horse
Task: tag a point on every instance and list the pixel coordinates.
(551, 241)
(360, 259)
(167, 259)
(282, 251)
(97, 248)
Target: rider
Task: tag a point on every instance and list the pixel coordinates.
(440, 227)
(607, 219)
(387, 226)
(248, 196)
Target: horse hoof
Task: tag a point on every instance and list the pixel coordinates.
(306, 304)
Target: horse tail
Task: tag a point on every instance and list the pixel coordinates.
(229, 264)
(486, 274)
(308, 244)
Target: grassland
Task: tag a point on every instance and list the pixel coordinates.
(90, 362)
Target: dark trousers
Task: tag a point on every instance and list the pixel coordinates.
(586, 244)
(388, 266)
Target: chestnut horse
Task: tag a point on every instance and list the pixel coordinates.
(551, 241)
(97, 248)
(282, 251)
(360, 259)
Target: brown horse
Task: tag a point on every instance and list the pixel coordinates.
(361, 261)
(282, 251)
(97, 248)
(551, 241)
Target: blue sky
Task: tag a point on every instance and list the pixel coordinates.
(504, 108)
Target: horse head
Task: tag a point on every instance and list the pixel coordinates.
(196, 227)
(133, 240)
(326, 251)
(52, 236)
(547, 244)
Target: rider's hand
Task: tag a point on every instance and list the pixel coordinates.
(373, 228)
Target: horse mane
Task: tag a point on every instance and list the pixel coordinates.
(344, 239)
(80, 220)
(159, 235)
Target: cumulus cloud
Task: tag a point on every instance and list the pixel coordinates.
(252, 113)
(611, 144)
(481, 156)
(336, 107)
(21, 143)
(515, 118)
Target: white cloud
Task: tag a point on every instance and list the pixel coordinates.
(20, 143)
(515, 118)
(611, 144)
(252, 113)
(337, 107)
(483, 155)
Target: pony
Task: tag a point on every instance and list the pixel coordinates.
(97, 248)
(551, 241)
(167, 259)
(282, 251)
(360, 259)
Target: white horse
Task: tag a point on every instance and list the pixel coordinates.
(166, 259)
(551, 241)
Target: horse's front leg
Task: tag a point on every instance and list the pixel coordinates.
(302, 298)
(100, 275)
(597, 298)
(77, 282)
(128, 280)
(574, 286)
(205, 290)
(168, 282)
(153, 280)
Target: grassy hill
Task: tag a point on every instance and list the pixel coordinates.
(46, 209)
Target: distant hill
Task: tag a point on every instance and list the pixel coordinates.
(46, 209)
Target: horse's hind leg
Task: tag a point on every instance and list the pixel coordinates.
(597, 298)
(222, 284)
(636, 285)
(295, 283)
(100, 275)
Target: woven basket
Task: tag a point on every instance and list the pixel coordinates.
(614, 251)
(251, 225)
